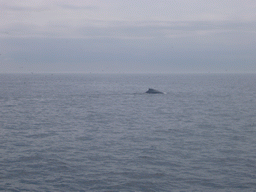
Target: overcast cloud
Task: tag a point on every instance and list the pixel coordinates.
(135, 36)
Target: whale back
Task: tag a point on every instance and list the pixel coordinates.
(153, 91)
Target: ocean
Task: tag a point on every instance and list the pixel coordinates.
(102, 132)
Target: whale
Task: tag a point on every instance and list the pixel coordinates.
(154, 91)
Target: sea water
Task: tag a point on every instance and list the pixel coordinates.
(74, 132)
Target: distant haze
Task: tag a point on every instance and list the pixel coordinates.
(135, 36)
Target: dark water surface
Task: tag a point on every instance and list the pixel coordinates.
(103, 133)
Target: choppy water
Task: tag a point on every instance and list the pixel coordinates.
(103, 133)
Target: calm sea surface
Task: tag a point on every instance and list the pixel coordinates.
(103, 133)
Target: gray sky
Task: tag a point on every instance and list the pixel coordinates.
(128, 36)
